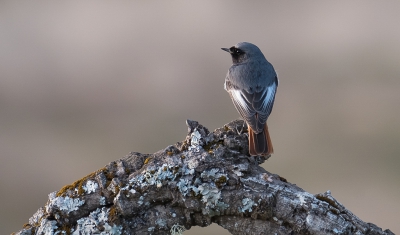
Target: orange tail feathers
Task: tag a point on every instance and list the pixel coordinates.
(260, 144)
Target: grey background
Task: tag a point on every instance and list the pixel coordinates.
(83, 83)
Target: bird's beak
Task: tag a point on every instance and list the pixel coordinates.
(226, 49)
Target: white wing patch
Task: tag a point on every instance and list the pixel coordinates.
(242, 103)
(269, 98)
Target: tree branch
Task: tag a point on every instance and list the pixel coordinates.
(207, 178)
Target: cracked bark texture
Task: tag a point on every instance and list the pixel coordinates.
(207, 178)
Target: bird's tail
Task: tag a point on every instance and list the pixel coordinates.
(260, 144)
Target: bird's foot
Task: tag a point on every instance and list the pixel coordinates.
(241, 131)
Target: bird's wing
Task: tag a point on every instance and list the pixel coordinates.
(263, 100)
(242, 105)
(256, 106)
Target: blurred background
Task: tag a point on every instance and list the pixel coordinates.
(83, 83)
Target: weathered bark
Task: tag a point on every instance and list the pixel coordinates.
(207, 178)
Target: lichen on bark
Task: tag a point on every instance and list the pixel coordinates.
(207, 178)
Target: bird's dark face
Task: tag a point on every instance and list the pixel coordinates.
(238, 55)
(244, 51)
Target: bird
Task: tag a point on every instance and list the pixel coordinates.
(252, 83)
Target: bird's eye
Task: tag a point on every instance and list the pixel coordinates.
(235, 50)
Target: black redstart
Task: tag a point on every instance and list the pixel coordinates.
(252, 82)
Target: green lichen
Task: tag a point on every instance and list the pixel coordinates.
(220, 181)
(116, 190)
(147, 160)
(226, 128)
(195, 194)
(282, 179)
(184, 146)
(76, 185)
(65, 228)
(113, 214)
(27, 226)
(210, 146)
(109, 175)
(175, 169)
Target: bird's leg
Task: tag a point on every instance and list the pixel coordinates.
(237, 130)
(241, 128)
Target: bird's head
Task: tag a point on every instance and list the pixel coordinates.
(244, 51)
